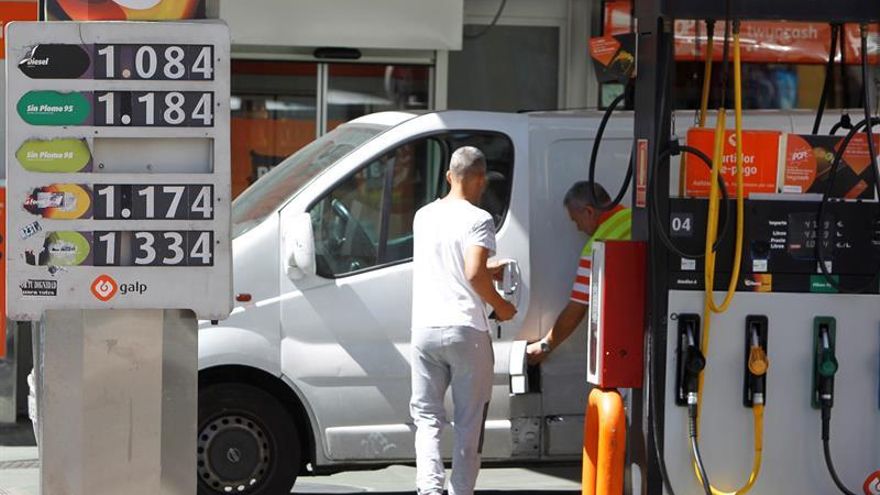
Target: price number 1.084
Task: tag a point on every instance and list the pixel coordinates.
(157, 62)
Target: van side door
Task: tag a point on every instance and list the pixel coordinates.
(346, 329)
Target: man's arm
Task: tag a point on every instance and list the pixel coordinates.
(480, 277)
(569, 318)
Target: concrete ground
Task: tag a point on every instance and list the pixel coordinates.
(19, 473)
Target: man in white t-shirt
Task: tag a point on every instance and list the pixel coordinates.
(451, 344)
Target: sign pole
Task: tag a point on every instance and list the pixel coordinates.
(118, 408)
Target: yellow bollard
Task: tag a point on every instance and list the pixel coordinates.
(604, 444)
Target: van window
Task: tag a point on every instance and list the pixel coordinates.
(274, 188)
(366, 220)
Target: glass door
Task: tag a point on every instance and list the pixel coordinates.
(279, 107)
(354, 90)
(274, 113)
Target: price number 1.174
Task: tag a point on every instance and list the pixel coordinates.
(154, 201)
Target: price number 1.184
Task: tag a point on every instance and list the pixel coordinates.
(154, 108)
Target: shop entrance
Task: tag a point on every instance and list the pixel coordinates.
(280, 106)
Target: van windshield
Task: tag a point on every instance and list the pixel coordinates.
(269, 192)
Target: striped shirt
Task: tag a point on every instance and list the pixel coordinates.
(615, 224)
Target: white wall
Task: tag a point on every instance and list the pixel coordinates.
(577, 82)
(394, 24)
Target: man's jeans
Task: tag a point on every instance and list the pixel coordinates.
(461, 357)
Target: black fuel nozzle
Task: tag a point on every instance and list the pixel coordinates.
(694, 364)
(690, 361)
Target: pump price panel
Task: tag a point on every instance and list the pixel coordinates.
(118, 167)
(780, 246)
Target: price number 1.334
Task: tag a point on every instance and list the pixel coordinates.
(154, 248)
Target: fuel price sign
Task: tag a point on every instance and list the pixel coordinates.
(118, 167)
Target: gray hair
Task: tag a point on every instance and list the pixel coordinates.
(580, 195)
(467, 160)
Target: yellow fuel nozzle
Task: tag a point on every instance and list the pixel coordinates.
(758, 362)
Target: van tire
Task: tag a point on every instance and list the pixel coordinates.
(248, 442)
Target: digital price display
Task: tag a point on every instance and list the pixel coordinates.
(122, 201)
(150, 108)
(150, 202)
(113, 108)
(107, 184)
(124, 248)
(803, 235)
(182, 248)
(156, 62)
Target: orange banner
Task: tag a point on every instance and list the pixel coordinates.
(760, 162)
(761, 41)
(14, 11)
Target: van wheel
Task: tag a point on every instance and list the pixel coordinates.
(248, 442)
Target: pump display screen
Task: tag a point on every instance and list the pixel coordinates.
(803, 235)
(779, 246)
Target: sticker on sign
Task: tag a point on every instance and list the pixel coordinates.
(39, 288)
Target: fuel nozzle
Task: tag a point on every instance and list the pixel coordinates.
(757, 362)
(826, 366)
(691, 361)
(694, 363)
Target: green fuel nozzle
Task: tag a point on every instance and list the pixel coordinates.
(826, 366)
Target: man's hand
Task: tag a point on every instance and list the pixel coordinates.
(570, 317)
(534, 354)
(476, 269)
(504, 311)
(496, 268)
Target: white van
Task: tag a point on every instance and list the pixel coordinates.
(312, 368)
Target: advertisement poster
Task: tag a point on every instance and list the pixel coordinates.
(808, 161)
(137, 10)
(760, 162)
(761, 41)
(614, 57)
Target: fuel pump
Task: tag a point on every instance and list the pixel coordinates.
(792, 258)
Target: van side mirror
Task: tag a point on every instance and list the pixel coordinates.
(299, 247)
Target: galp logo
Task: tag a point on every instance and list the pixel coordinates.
(104, 288)
(872, 484)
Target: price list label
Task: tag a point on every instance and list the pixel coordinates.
(93, 107)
